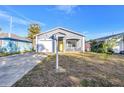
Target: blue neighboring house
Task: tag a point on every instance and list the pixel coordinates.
(11, 43)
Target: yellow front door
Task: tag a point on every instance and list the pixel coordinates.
(61, 47)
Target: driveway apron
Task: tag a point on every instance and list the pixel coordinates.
(13, 68)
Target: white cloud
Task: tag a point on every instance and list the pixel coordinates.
(85, 32)
(4, 14)
(102, 34)
(22, 16)
(18, 20)
(68, 9)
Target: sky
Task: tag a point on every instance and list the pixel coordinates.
(91, 21)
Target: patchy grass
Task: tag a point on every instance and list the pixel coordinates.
(8, 54)
(82, 69)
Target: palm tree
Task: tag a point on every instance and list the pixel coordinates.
(32, 31)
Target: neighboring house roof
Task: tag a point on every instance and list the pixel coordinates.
(107, 37)
(13, 36)
(62, 29)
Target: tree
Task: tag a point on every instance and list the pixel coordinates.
(104, 46)
(94, 45)
(32, 31)
(110, 44)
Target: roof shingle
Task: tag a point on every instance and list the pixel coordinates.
(13, 36)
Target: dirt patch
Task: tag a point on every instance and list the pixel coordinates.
(82, 69)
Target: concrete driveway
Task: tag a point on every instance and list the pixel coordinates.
(13, 68)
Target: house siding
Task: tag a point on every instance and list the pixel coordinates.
(50, 34)
(121, 44)
(12, 46)
(68, 35)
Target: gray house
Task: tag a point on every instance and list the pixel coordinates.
(67, 41)
(119, 42)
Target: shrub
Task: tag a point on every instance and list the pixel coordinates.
(101, 47)
(84, 83)
(100, 50)
(3, 50)
(110, 51)
(96, 83)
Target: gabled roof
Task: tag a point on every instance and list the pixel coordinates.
(61, 29)
(13, 36)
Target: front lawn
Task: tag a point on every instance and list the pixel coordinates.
(82, 69)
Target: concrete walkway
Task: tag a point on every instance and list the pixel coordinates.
(13, 68)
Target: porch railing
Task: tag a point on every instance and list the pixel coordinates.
(72, 49)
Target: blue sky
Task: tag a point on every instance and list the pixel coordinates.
(92, 21)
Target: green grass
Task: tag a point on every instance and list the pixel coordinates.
(8, 54)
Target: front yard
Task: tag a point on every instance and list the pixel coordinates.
(82, 69)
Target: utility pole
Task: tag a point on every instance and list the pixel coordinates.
(10, 26)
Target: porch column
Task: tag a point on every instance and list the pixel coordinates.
(54, 46)
(64, 42)
(83, 44)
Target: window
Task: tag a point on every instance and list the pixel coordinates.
(71, 43)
